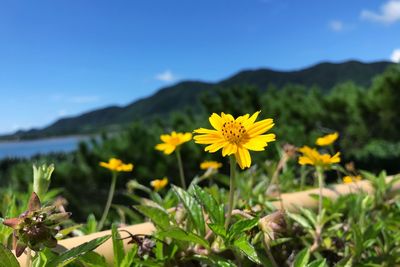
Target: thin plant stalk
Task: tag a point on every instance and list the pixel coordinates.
(232, 162)
(180, 166)
(28, 257)
(275, 177)
(109, 200)
(320, 174)
(269, 254)
(318, 227)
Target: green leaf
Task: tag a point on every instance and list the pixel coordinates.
(43, 257)
(302, 258)
(7, 258)
(91, 224)
(317, 263)
(72, 254)
(156, 215)
(241, 226)
(179, 234)
(300, 220)
(193, 208)
(245, 247)
(92, 259)
(210, 205)
(118, 246)
(218, 229)
(128, 259)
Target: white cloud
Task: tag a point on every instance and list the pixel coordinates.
(389, 13)
(62, 112)
(336, 25)
(395, 57)
(83, 99)
(166, 76)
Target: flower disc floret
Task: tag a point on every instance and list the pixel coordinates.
(236, 136)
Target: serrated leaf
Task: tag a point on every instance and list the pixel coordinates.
(180, 234)
(245, 247)
(118, 246)
(193, 208)
(72, 254)
(156, 215)
(7, 258)
(241, 226)
(317, 263)
(302, 258)
(211, 206)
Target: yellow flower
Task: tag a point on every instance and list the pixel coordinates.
(117, 165)
(327, 139)
(312, 157)
(210, 165)
(172, 141)
(159, 184)
(351, 179)
(236, 136)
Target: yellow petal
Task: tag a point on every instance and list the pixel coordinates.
(251, 120)
(216, 146)
(243, 157)
(216, 121)
(260, 127)
(229, 149)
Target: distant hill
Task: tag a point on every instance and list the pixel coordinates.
(186, 93)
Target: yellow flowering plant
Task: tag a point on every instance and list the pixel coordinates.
(205, 165)
(115, 166)
(171, 143)
(348, 179)
(235, 136)
(311, 156)
(321, 162)
(159, 184)
(327, 140)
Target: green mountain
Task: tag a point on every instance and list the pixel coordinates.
(187, 94)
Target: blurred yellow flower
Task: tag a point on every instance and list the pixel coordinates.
(205, 165)
(312, 157)
(236, 136)
(117, 165)
(327, 139)
(351, 179)
(172, 141)
(159, 184)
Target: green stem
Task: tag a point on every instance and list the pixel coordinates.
(180, 166)
(320, 174)
(269, 254)
(232, 162)
(28, 257)
(109, 200)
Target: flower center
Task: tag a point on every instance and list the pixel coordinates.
(233, 131)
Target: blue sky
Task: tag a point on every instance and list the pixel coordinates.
(63, 57)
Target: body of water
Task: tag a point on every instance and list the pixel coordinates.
(21, 149)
